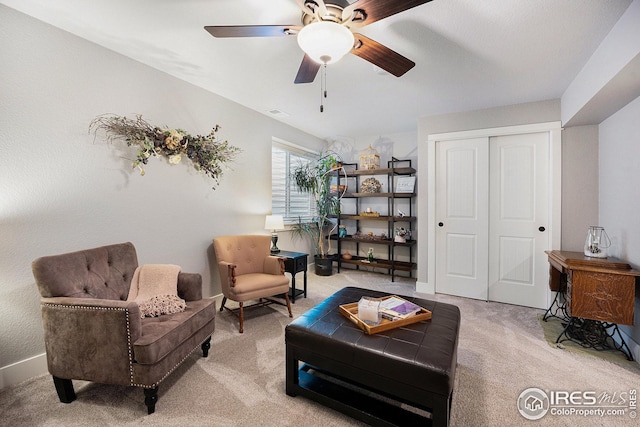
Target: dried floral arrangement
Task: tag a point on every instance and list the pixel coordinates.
(206, 152)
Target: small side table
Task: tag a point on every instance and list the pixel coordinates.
(294, 263)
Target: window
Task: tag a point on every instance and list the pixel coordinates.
(286, 200)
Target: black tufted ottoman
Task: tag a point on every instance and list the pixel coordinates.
(369, 376)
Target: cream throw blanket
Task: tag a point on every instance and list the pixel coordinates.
(155, 288)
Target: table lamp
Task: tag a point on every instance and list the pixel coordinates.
(274, 223)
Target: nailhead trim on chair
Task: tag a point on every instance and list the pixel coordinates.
(131, 379)
(132, 383)
(129, 349)
(126, 312)
(172, 369)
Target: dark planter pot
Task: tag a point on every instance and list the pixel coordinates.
(324, 266)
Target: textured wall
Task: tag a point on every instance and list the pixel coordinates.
(62, 191)
(579, 185)
(619, 191)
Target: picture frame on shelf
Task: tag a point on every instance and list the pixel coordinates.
(405, 184)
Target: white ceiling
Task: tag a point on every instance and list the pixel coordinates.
(469, 54)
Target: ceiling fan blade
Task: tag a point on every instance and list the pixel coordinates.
(252, 30)
(382, 56)
(307, 71)
(375, 10)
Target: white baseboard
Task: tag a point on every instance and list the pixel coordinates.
(21, 371)
(425, 288)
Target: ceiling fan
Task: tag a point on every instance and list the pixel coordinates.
(326, 34)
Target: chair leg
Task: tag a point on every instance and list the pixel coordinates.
(286, 297)
(206, 345)
(150, 399)
(241, 317)
(64, 388)
(224, 301)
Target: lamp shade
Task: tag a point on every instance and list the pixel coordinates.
(325, 42)
(274, 222)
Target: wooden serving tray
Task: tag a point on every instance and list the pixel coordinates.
(350, 311)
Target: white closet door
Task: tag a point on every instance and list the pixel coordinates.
(492, 218)
(462, 206)
(519, 219)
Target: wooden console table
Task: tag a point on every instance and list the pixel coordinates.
(598, 294)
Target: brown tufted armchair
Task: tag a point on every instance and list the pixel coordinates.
(92, 333)
(249, 272)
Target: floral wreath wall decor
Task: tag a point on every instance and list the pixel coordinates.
(206, 152)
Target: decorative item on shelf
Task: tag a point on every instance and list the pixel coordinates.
(206, 152)
(370, 257)
(401, 214)
(338, 189)
(405, 184)
(370, 213)
(369, 236)
(370, 159)
(342, 231)
(347, 255)
(370, 185)
(274, 223)
(402, 234)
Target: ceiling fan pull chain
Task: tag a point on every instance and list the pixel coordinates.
(323, 87)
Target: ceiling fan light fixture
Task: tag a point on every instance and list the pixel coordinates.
(325, 42)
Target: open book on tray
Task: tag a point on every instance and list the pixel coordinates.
(395, 308)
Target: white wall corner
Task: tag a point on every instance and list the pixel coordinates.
(608, 81)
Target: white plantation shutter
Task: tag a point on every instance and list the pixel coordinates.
(286, 200)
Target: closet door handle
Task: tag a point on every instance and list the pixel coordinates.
(541, 229)
(441, 224)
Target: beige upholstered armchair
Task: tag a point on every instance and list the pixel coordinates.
(248, 272)
(93, 333)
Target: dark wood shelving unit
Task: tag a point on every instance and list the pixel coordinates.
(349, 174)
(379, 218)
(380, 263)
(396, 195)
(387, 242)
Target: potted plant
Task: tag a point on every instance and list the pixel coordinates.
(315, 178)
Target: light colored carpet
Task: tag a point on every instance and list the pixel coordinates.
(502, 351)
